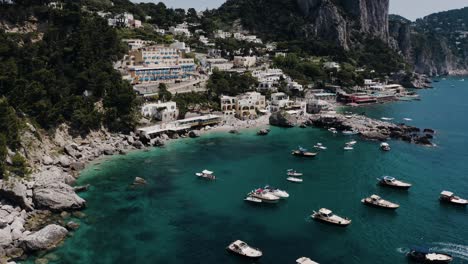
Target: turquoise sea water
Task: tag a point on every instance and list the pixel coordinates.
(178, 218)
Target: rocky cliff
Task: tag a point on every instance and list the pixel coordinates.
(434, 45)
(337, 20)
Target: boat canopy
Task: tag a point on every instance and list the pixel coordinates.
(325, 211)
(302, 149)
(375, 197)
(388, 178)
(207, 172)
(384, 144)
(446, 193)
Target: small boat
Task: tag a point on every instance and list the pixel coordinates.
(450, 197)
(252, 199)
(326, 215)
(241, 248)
(375, 200)
(320, 146)
(348, 148)
(303, 153)
(350, 132)
(294, 179)
(408, 96)
(333, 130)
(264, 195)
(385, 146)
(277, 192)
(407, 119)
(394, 183)
(293, 173)
(351, 143)
(206, 174)
(349, 116)
(462, 80)
(387, 118)
(305, 260)
(426, 255)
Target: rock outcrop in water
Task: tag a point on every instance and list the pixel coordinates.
(46, 238)
(372, 129)
(283, 119)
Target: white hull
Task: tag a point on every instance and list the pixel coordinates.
(293, 179)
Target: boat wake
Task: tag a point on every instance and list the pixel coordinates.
(402, 250)
(458, 251)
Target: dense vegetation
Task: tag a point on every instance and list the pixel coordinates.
(61, 72)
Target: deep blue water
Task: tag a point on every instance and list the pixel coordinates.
(177, 218)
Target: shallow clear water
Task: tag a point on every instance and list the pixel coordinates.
(178, 218)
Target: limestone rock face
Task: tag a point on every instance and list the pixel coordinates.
(44, 239)
(336, 20)
(57, 197)
(16, 191)
(283, 119)
(5, 236)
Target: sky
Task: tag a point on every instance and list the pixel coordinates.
(411, 9)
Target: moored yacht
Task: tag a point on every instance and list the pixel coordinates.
(326, 215)
(241, 248)
(348, 147)
(276, 192)
(375, 200)
(385, 146)
(387, 118)
(394, 183)
(264, 195)
(303, 153)
(426, 255)
(252, 199)
(333, 130)
(351, 143)
(293, 173)
(305, 260)
(206, 174)
(450, 197)
(294, 179)
(350, 132)
(408, 96)
(320, 146)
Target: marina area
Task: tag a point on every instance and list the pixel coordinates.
(178, 218)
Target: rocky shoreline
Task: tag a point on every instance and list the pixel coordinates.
(38, 212)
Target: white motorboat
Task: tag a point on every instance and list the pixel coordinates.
(385, 146)
(375, 200)
(333, 130)
(264, 195)
(351, 143)
(293, 173)
(450, 197)
(252, 199)
(305, 260)
(387, 118)
(326, 215)
(348, 148)
(407, 119)
(241, 248)
(294, 179)
(394, 183)
(206, 174)
(428, 256)
(320, 146)
(350, 132)
(277, 192)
